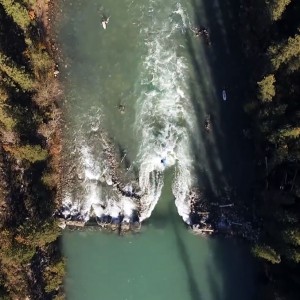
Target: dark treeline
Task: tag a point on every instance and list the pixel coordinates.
(31, 266)
(272, 45)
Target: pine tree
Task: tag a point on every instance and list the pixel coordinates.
(293, 255)
(277, 8)
(5, 119)
(293, 132)
(17, 11)
(267, 88)
(267, 253)
(294, 64)
(292, 236)
(22, 78)
(282, 54)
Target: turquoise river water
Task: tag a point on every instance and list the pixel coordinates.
(146, 84)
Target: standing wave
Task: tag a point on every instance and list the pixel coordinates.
(164, 116)
(91, 189)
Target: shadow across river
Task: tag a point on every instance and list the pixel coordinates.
(225, 156)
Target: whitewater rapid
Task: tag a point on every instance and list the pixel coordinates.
(164, 118)
(164, 123)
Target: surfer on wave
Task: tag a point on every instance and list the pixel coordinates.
(164, 161)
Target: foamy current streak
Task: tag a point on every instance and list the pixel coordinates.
(164, 116)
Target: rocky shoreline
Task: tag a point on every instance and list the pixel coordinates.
(226, 217)
(206, 218)
(96, 224)
(30, 160)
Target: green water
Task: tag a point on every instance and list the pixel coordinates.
(164, 261)
(168, 80)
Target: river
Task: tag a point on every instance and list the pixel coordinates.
(144, 87)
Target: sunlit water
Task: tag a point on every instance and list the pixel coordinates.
(149, 62)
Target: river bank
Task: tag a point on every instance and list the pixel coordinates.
(31, 261)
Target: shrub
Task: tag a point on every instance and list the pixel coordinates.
(50, 180)
(7, 121)
(38, 236)
(292, 236)
(18, 254)
(40, 60)
(30, 153)
(54, 276)
(3, 95)
(293, 255)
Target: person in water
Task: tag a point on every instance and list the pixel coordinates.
(121, 108)
(202, 31)
(105, 21)
(207, 123)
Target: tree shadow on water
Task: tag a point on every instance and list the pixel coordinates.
(193, 287)
(229, 69)
(158, 221)
(233, 263)
(228, 272)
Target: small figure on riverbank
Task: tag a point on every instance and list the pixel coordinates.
(105, 21)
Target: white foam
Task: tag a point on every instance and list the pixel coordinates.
(164, 117)
(92, 199)
(184, 17)
(128, 207)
